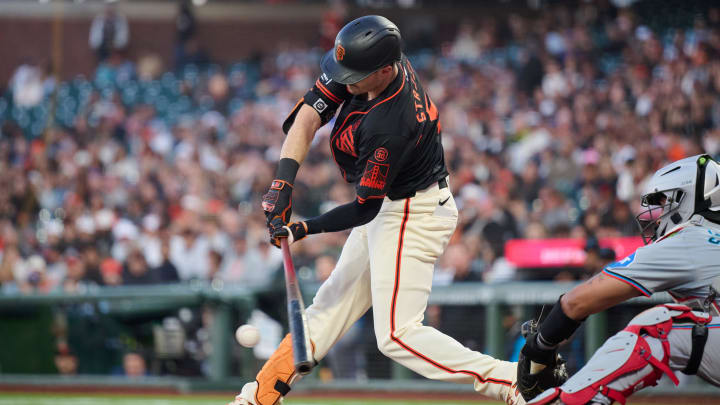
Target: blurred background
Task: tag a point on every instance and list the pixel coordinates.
(137, 137)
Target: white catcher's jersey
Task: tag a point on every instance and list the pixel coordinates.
(685, 263)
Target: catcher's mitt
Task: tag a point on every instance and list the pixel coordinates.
(548, 370)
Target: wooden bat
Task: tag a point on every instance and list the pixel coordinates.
(302, 349)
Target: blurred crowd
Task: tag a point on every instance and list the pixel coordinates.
(551, 123)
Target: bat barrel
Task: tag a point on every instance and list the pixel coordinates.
(302, 349)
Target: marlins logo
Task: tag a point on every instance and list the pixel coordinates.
(626, 262)
(339, 52)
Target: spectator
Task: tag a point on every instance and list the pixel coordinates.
(109, 33)
(150, 241)
(136, 270)
(166, 271)
(189, 252)
(31, 83)
(187, 45)
(111, 271)
(185, 23)
(215, 264)
(77, 278)
(134, 365)
(66, 361)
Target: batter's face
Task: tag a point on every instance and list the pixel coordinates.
(373, 84)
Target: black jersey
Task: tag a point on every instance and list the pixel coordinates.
(387, 146)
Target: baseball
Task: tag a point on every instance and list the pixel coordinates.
(247, 335)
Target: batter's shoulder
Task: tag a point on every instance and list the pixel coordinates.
(392, 116)
(387, 121)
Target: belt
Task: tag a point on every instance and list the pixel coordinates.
(442, 183)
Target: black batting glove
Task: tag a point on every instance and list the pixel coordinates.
(277, 204)
(293, 231)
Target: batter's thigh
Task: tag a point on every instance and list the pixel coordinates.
(344, 297)
(403, 252)
(680, 340)
(405, 239)
(404, 246)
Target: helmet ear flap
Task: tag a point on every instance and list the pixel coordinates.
(707, 190)
(711, 185)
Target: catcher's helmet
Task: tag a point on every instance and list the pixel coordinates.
(678, 191)
(363, 46)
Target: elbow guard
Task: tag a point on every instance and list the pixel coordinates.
(324, 99)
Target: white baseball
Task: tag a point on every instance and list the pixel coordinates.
(247, 335)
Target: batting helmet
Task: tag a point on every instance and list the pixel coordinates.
(363, 46)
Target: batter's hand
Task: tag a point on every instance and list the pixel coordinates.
(293, 231)
(277, 204)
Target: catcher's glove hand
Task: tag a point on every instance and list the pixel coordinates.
(538, 369)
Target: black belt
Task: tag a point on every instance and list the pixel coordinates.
(442, 183)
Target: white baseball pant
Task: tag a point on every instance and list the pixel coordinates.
(680, 339)
(388, 265)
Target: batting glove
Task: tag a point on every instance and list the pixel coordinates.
(277, 204)
(293, 231)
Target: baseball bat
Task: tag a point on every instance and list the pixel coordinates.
(302, 349)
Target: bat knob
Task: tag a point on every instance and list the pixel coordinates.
(304, 368)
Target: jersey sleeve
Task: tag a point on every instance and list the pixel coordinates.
(382, 155)
(660, 266)
(324, 97)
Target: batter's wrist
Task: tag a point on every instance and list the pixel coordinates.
(313, 226)
(287, 170)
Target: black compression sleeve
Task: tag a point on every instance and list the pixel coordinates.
(345, 217)
(287, 170)
(557, 326)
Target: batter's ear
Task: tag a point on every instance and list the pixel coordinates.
(387, 69)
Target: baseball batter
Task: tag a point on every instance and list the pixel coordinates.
(386, 141)
(682, 220)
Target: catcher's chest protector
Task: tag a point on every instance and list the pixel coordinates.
(628, 361)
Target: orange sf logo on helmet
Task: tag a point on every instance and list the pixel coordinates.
(339, 52)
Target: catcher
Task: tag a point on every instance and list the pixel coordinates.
(681, 228)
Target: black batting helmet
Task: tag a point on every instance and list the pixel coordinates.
(363, 46)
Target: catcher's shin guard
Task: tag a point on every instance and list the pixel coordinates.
(634, 358)
(275, 377)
